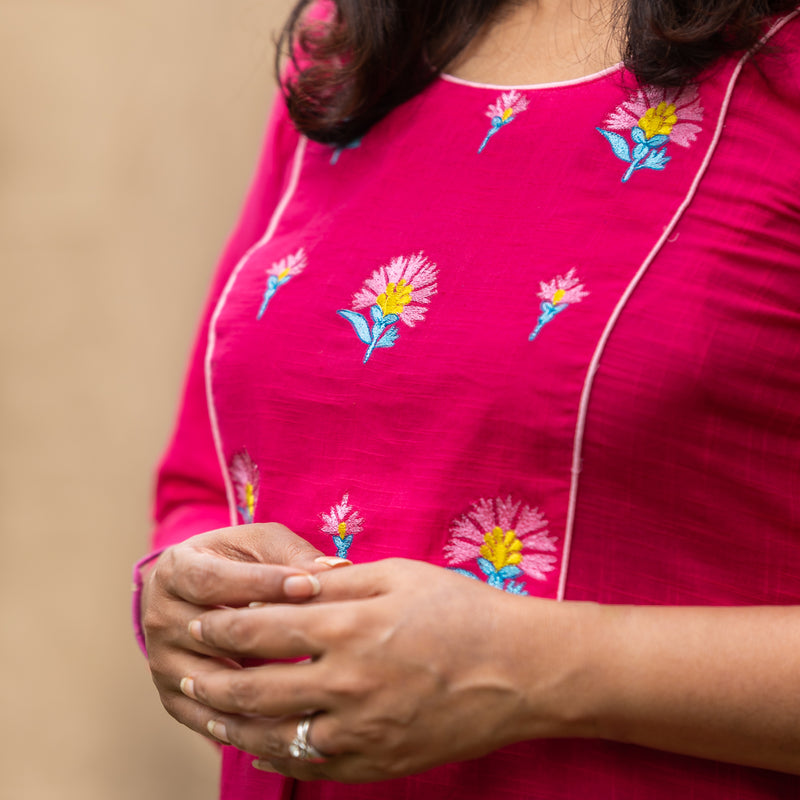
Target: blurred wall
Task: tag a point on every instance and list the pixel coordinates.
(127, 134)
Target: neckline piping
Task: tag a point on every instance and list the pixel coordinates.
(499, 87)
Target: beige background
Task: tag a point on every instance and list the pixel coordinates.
(128, 129)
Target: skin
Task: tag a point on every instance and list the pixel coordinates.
(397, 689)
(231, 567)
(542, 42)
(406, 665)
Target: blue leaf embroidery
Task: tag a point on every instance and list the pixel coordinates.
(509, 571)
(359, 324)
(618, 144)
(657, 159)
(389, 338)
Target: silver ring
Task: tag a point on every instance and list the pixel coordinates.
(301, 748)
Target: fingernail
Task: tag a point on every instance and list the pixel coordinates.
(333, 561)
(301, 586)
(196, 630)
(218, 731)
(256, 604)
(187, 687)
(264, 766)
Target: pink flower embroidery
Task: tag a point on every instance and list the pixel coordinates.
(281, 272)
(556, 296)
(504, 111)
(507, 539)
(654, 117)
(246, 481)
(399, 291)
(342, 523)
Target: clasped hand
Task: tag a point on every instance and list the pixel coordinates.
(404, 665)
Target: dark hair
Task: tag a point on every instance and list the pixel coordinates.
(353, 65)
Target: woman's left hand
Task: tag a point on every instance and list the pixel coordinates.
(410, 666)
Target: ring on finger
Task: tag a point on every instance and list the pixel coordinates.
(301, 748)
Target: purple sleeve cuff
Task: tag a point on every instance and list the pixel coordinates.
(136, 600)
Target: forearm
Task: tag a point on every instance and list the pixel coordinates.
(719, 683)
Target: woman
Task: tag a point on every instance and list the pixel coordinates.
(511, 308)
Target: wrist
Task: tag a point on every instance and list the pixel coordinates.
(561, 646)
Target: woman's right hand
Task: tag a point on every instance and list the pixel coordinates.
(228, 567)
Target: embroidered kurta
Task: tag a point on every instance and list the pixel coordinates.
(547, 336)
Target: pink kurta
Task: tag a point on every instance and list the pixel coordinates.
(546, 336)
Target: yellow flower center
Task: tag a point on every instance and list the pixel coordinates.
(658, 120)
(250, 499)
(342, 530)
(558, 296)
(283, 274)
(501, 548)
(507, 113)
(396, 297)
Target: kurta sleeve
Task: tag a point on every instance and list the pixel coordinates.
(190, 492)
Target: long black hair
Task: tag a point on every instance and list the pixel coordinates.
(351, 66)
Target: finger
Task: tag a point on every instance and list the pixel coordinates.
(265, 543)
(276, 631)
(208, 580)
(189, 713)
(361, 580)
(273, 690)
(270, 739)
(178, 702)
(340, 766)
(343, 769)
(168, 667)
(165, 624)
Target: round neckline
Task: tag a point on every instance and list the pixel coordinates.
(499, 87)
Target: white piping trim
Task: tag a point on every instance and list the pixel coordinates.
(612, 321)
(297, 165)
(533, 86)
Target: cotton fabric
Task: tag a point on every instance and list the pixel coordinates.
(642, 447)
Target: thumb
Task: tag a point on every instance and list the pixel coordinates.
(372, 579)
(273, 543)
(265, 563)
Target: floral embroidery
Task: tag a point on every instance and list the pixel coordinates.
(281, 272)
(556, 295)
(504, 111)
(507, 539)
(400, 291)
(245, 478)
(654, 118)
(339, 150)
(342, 524)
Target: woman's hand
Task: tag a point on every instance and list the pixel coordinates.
(411, 666)
(227, 567)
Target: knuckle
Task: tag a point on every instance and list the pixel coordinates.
(157, 672)
(393, 566)
(154, 622)
(296, 551)
(273, 745)
(239, 632)
(348, 688)
(244, 694)
(341, 627)
(197, 577)
(168, 700)
(164, 569)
